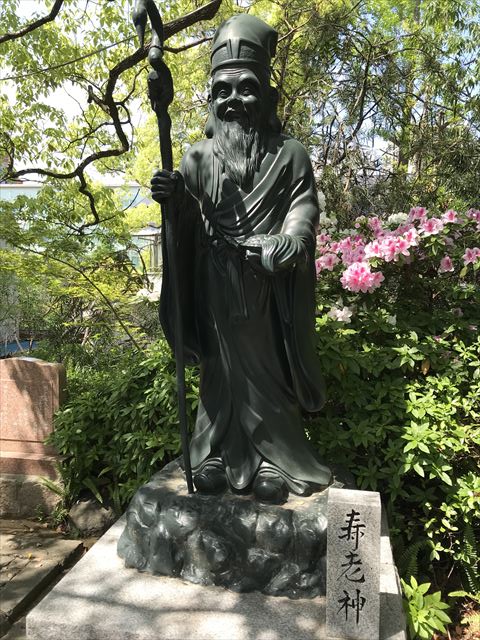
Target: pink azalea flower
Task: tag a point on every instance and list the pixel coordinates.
(323, 249)
(401, 247)
(389, 249)
(322, 239)
(335, 247)
(474, 214)
(446, 265)
(375, 224)
(411, 236)
(417, 213)
(346, 243)
(352, 249)
(404, 228)
(358, 277)
(328, 261)
(356, 254)
(373, 250)
(471, 256)
(431, 227)
(450, 216)
(377, 279)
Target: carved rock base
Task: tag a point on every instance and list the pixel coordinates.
(228, 540)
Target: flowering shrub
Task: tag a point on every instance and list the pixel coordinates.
(374, 243)
(398, 307)
(358, 277)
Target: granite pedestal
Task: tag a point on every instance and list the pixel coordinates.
(100, 599)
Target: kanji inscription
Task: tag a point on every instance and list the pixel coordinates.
(353, 564)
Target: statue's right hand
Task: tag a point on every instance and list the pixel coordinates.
(165, 184)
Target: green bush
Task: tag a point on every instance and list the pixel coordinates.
(425, 613)
(402, 366)
(121, 425)
(403, 417)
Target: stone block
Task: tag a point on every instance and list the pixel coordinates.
(18, 446)
(89, 517)
(8, 495)
(353, 564)
(23, 496)
(25, 463)
(30, 392)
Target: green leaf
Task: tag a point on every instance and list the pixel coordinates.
(90, 484)
(419, 469)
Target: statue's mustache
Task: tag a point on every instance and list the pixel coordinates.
(235, 114)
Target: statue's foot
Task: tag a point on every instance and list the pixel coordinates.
(210, 480)
(270, 489)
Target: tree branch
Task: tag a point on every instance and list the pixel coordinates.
(108, 104)
(207, 12)
(7, 37)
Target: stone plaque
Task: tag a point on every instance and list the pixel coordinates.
(30, 393)
(353, 565)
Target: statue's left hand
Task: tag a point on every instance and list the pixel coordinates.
(279, 251)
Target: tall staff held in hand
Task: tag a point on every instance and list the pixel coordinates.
(160, 92)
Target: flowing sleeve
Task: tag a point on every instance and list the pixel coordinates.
(301, 220)
(295, 289)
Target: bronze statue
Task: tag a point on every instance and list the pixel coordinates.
(247, 209)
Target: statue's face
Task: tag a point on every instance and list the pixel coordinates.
(237, 96)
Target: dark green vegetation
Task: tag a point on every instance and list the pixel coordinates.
(385, 96)
(403, 409)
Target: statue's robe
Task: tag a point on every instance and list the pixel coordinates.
(251, 332)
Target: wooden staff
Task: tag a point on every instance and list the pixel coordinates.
(160, 92)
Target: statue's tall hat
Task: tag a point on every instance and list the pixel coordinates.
(243, 39)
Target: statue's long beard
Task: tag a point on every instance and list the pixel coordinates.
(239, 149)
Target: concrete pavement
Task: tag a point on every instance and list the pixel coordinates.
(32, 559)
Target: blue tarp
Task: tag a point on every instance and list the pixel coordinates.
(12, 347)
